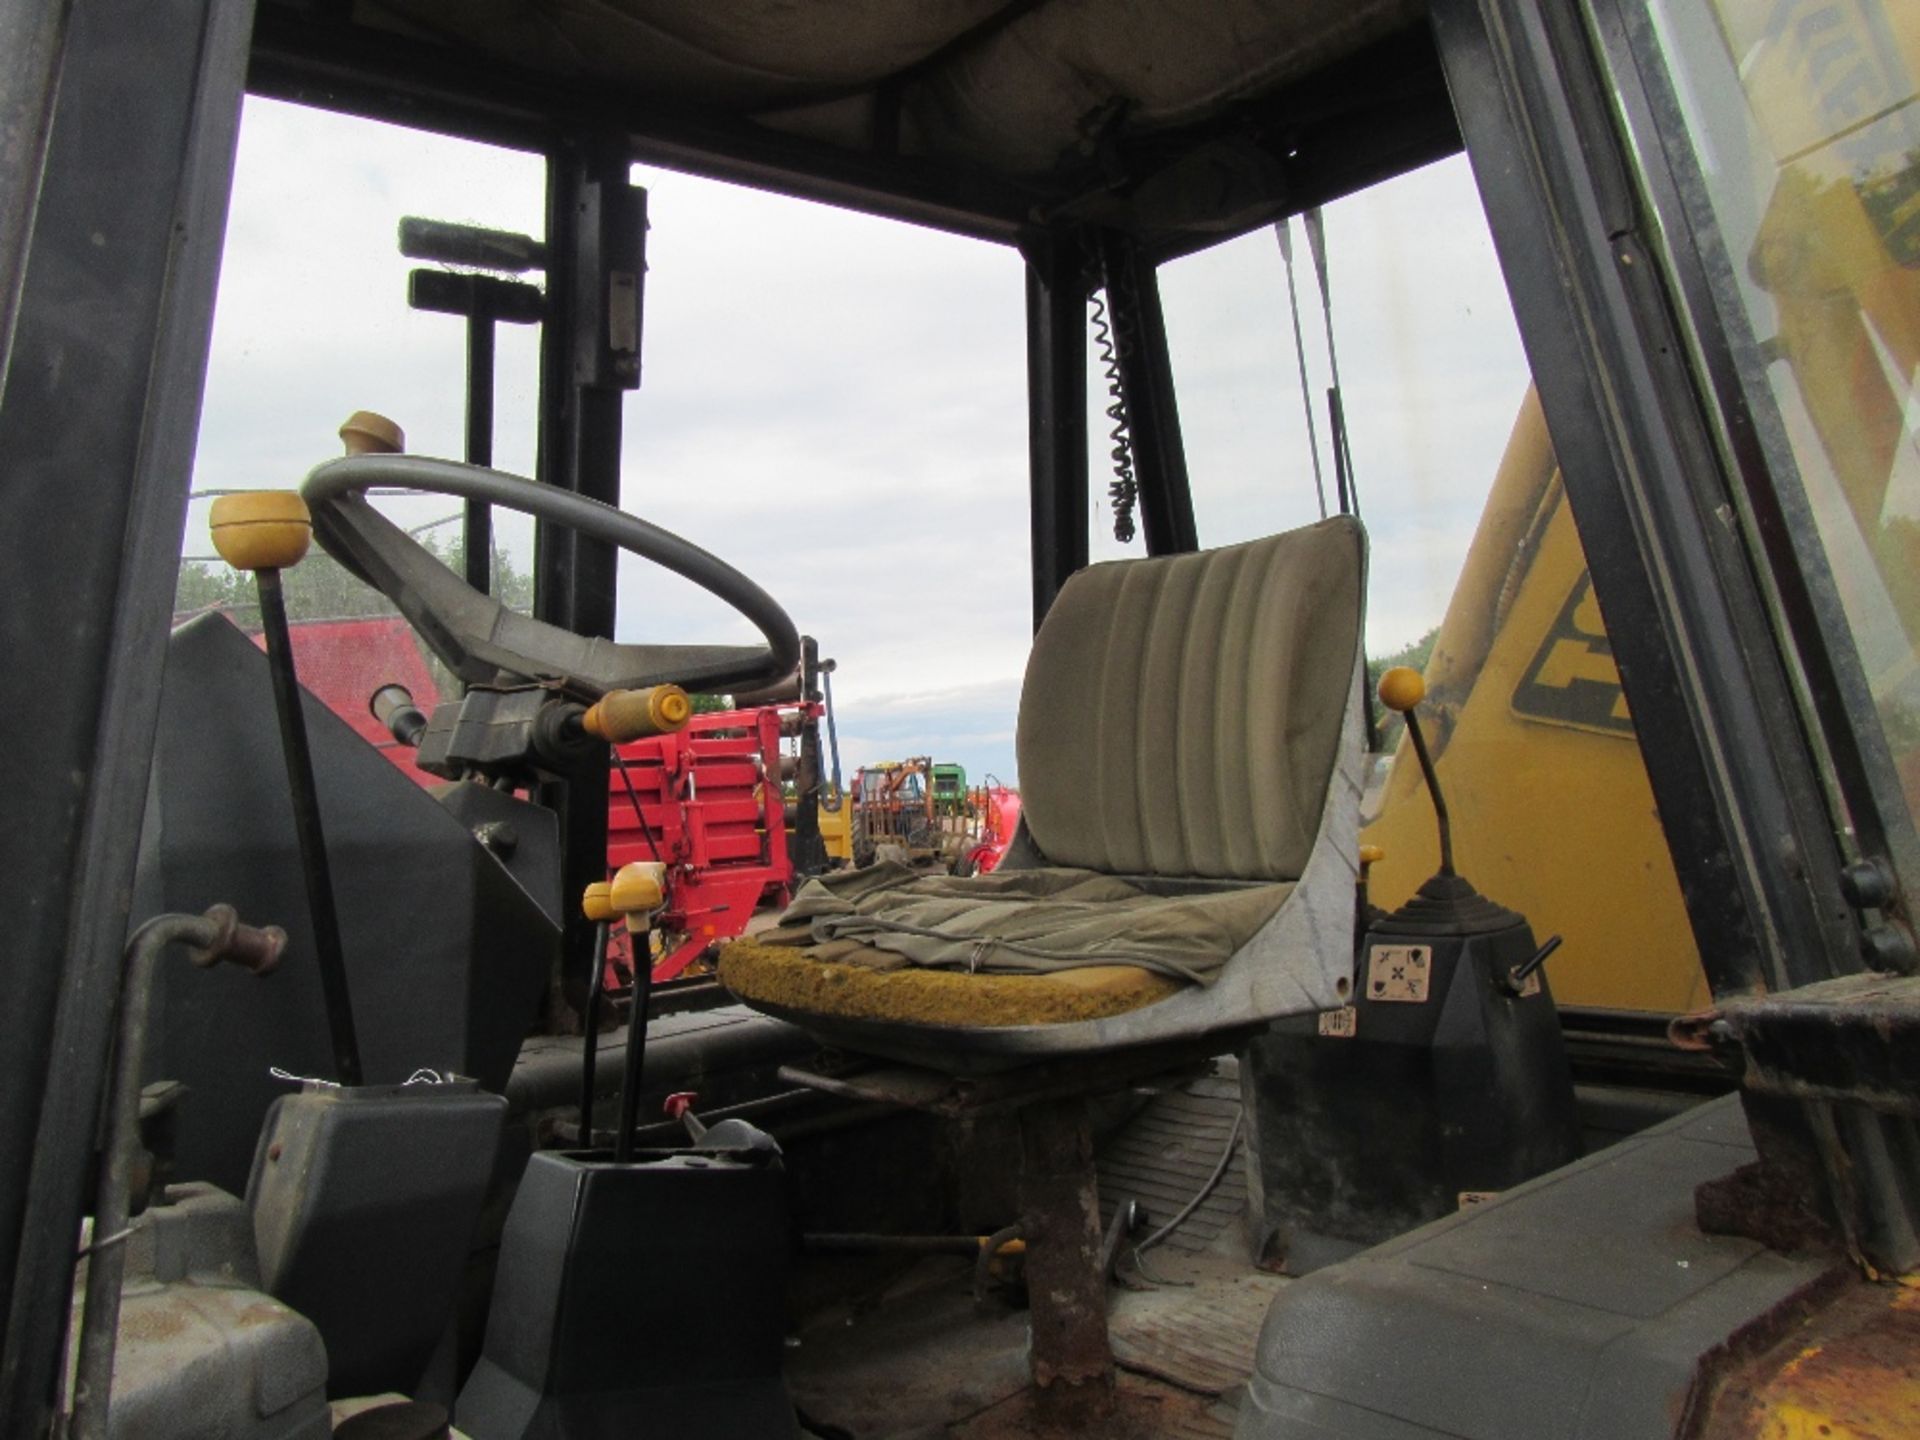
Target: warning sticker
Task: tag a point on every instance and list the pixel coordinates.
(1341, 1024)
(1399, 972)
(1573, 680)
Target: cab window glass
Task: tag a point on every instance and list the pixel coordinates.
(311, 325)
(1804, 126)
(835, 404)
(1476, 575)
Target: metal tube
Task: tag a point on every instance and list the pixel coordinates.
(1283, 231)
(1057, 478)
(217, 935)
(990, 1247)
(1342, 478)
(636, 1045)
(1433, 788)
(1068, 1348)
(477, 531)
(590, 1040)
(305, 795)
(1342, 454)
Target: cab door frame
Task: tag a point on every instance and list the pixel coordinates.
(1736, 775)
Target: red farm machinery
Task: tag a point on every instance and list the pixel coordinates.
(715, 803)
(728, 804)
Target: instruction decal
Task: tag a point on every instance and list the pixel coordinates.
(1573, 680)
(1399, 973)
(1341, 1024)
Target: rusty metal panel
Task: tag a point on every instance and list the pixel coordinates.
(1847, 1370)
(1856, 1038)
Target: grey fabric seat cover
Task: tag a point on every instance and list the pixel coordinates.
(1180, 715)
(1180, 721)
(1034, 921)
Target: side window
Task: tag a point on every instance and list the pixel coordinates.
(312, 324)
(832, 403)
(1476, 574)
(836, 405)
(1799, 135)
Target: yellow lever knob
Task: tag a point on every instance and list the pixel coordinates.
(1371, 855)
(366, 433)
(261, 529)
(1402, 688)
(638, 889)
(597, 903)
(623, 715)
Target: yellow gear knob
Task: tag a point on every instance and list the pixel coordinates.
(638, 889)
(1371, 855)
(623, 715)
(597, 903)
(365, 433)
(261, 529)
(1402, 688)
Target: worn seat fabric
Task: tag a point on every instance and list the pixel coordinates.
(1034, 920)
(1180, 715)
(1182, 743)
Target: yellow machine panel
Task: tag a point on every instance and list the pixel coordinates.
(1552, 812)
(836, 823)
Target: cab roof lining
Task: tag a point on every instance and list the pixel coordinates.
(1173, 119)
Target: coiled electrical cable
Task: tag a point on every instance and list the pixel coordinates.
(1124, 490)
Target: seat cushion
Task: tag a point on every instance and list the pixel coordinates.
(1181, 715)
(794, 980)
(1035, 920)
(1013, 947)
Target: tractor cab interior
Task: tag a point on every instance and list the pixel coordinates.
(1267, 1086)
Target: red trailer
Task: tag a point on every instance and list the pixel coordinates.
(709, 803)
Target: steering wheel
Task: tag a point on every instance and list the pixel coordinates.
(481, 640)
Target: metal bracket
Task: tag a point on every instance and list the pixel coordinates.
(1854, 1039)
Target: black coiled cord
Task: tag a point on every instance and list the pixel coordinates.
(1124, 489)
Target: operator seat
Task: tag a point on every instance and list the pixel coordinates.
(1190, 751)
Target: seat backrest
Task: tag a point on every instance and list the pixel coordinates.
(1181, 715)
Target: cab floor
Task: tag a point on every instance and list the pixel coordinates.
(915, 1358)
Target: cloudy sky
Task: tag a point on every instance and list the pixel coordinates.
(836, 404)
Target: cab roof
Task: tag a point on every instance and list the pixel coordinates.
(1180, 122)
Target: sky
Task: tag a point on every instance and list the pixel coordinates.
(835, 404)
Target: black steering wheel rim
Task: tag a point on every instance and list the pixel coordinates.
(478, 637)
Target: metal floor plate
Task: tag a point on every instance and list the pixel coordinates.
(1165, 1154)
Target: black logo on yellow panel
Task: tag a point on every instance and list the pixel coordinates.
(1573, 680)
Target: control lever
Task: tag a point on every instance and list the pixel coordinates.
(1402, 688)
(266, 531)
(732, 1133)
(1363, 911)
(597, 906)
(392, 705)
(679, 1106)
(622, 715)
(1519, 975)
(636, 894)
